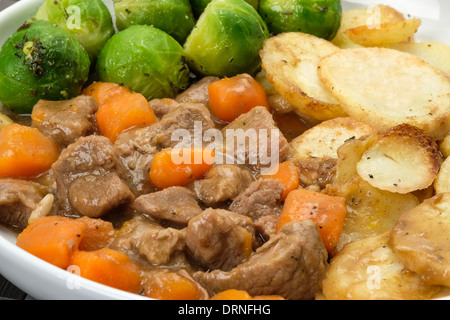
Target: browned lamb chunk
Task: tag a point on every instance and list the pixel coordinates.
(222, 183)
(90, 178)
(173, 205)
(220, 239)
(291, 264)
(66, 121)
(18, 199)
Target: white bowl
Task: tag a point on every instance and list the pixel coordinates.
(42, 280)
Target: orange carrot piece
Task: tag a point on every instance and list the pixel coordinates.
(53, 239)
(287, 173)
(327, 211)
(231, 97)
(108, 267)
(25, 151)
(179, 167)
(97, 235)
(122, 112)
(172, 286)
(232, 294)
(104, 91)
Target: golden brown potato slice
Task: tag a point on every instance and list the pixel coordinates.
(421, 239)
(369, 270)
(402, 160)
(435, 53)
(371, 17)
(384, 87)
(444, 146)
(290, 61)
(385, 34)
(370, 211)
(442, 182)
(324, 139)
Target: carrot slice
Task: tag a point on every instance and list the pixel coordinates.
(53, 239)
(108, 267)
(328, 211)
(232, 294)
(97, 235)
(25, 152)
(287, 173)
(231, 97)
(172, 286)
(102, 92)
(179, 167)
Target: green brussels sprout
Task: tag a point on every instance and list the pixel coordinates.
(198, 6)
(41, 61)
(321, 18)
(146, 60)
(172, 16)
(226, 40)
(89, 21)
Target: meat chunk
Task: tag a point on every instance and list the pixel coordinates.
(220, 239)
(222, 183)
(66, 121)
(161, 107)
(18, 199)
(260, 199)
(138, 146)
(173, 205)
(150, 240)
(254, 139)
(291, 264)
(90, 178)
(198, 92)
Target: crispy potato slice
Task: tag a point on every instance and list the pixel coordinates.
(385, 34)
(290, 61)
(385, 87)
(315, 151)
(402, 160)
(324, 139)
(371, 17)
(444, 146)
(369, 270)
(435, 53)
(370, 211)
(421, 239)
(442, 182)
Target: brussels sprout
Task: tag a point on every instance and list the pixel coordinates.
(198, 6)
(172, 16)
(41, 61)
(226, 40)
(89, 21)
(146, 60)
(321, 18)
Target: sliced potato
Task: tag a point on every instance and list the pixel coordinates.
(349, 154)
(384, 87)
(403, 159)
(324, 139)
(369, 270)
(370, 211)
(371, 17)
(435, 53)
(290, 61)
(442, 182)
(421, 239)
(385, 34)
(444, 146)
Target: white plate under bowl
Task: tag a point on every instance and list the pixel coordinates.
(42, 280)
